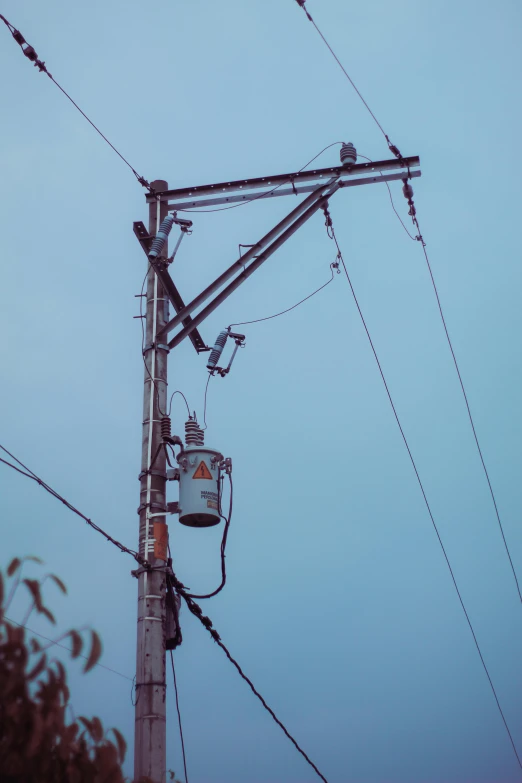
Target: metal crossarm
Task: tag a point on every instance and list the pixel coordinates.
(300, 182)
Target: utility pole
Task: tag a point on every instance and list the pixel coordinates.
(150, 693)
(318, 186)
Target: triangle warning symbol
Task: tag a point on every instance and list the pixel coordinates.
(202, 472)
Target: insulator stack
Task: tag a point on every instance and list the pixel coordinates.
(161, 237)
(407, 190)
(194, 435)
(217, 350)
(348, 154)
(165, 427)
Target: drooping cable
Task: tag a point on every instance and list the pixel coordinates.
(196, 610)
(179, 716)
(331, 234)
(392, 147)
(182, 395)
(263, 195)
(29, 474)
(391, 199)
(223, 540)
(205, 402)
(333, 266)
(30, 53)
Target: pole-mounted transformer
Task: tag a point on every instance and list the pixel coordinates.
(199, 477)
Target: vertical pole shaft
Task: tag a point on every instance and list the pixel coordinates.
(150, 693)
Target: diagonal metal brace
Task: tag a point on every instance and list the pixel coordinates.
(145, 240)
(319, 201)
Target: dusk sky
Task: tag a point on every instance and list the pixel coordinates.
(339, 603)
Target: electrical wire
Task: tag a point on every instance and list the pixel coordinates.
(179, 717)
(205, 402)
(276, 315)
(223, 541)
(393, 149)
(408, 193)
(172, 397)
(30, 53)
(468, 408)
(64, 647)
(196, 610)
(331, 233)
(391, 199)
(262, 195)
(29, 474)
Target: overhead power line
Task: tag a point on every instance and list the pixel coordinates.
(28, 473)
(31, 55)
(408, 192)
(207, 623)
(413, 214)
(393, 149)
(331, 234)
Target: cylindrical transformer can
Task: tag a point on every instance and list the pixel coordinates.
(198, 486)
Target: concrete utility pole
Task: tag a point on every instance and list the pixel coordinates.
(150, 726)
(318, 185)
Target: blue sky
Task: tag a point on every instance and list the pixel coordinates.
(339, 604)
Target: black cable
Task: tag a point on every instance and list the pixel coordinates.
(196, 610)
(205, 402)
(391, 199)
(393, 149)
(223, 541)
(408, 193)
(269, 317)
(263, 195)
(461, 382)
(413, 215)
(30, 53)
(179, 717)
(55, 494)
(172, 397)
(333, 236)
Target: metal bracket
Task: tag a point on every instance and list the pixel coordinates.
(151, 473)
(159, 347)
(152, 505)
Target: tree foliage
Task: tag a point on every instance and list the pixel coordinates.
(38, 744)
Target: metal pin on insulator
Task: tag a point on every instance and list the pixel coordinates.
(217, 350)
(407, 190)
(348, 154)
(161, 237)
